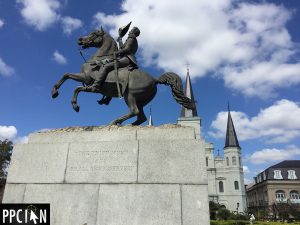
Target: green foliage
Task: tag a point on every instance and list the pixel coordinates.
(244, 222)
(223, 214)
(5, 155)
(229, 222)
(213, 208)
(239, 216)
(218, 212)
(288, 210)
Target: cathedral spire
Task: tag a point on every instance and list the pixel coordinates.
(188, 93)
(231, 138)
(150, 124)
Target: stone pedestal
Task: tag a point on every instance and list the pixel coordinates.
(113, 175)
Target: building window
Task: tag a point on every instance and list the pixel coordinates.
(233, 160)
(258, 178)
(240, 161)
(277, 174)
(236, 185)
(264, 175)
(295, 197)
(206, 161)
(292, 175)
(221, 186)
(227, 161)
(280, 196)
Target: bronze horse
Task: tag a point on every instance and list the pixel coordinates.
(138, 88)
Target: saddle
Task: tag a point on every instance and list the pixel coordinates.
(123, 78)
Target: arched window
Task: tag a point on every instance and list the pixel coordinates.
(227, 161)
(221, 186)
(240, 161)
(233, 160)
(222, 206)
(294, 195)
(206, 161)
(236, 185)
(280, 196)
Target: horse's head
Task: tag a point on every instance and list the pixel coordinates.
(94, 39)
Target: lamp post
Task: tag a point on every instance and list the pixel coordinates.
(237, 207)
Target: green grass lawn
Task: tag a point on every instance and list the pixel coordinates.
(243, 222)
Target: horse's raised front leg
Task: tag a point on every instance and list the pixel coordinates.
(75, 96)
(80, 77)
(133, 110)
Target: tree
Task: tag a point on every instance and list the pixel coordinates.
(213, 208)
(287, 210)
(5, 156)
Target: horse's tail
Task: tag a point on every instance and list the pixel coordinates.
(173, 80)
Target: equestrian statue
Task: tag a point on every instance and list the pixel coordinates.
(113, 72)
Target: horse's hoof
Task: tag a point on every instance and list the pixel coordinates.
(104, 101)
(54, 93)
(76, 107)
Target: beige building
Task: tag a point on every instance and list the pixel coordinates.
(225, 175)
(279, 183)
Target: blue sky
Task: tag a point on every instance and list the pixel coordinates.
(242, 52)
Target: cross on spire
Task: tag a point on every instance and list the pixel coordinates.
(188, 67)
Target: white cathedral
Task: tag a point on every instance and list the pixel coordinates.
(225, 175)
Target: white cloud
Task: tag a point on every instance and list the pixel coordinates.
(274, 155)
(5, 70)
(1, 23)
(278, 123)
(21, 140)
(40, 14)
(70, 24)
(246, 169)
(59, 58)
(8, 132)
(245, 44)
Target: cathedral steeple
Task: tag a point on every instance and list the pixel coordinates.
(190, 117)
(231, 137)
(150, 124)
(188, 93)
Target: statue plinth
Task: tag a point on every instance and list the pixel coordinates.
(113, 175)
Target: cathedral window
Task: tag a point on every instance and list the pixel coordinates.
(221, 186)
(240, 161)
(236, 185)
(233, 160)
(277, 174)
(206, 161)
(292, 175)
(227, 161)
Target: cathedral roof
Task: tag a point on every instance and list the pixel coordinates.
(231, 138)
(188, 93)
